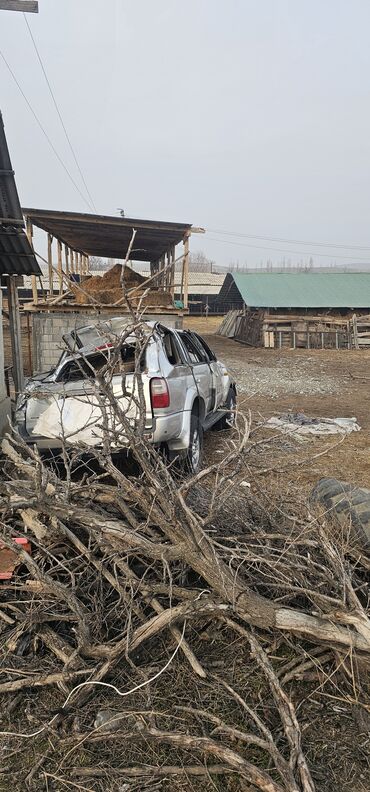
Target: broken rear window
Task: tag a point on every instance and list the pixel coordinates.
(82, 368)
(86, 368)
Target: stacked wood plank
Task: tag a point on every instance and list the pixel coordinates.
(360, 332)
(257, 328)
(307, 332)
(249, 329)
(229, 325)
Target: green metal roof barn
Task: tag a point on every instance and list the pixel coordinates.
(297, 289)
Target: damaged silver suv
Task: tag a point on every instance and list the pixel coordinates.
(176, 387)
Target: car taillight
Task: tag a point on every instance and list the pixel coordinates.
(103, 346)
(159, 394)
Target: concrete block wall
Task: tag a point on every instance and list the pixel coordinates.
(48, 330)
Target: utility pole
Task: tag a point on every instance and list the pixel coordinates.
(30, 6)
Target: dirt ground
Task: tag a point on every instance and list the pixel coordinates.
(328, 383)
(334, 737)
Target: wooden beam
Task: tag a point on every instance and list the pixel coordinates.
(66, 256)
(28, 6)
(185, 270)
(60, 266)
(172, 272)
(50, 264)
(15, 333)
(29, 232)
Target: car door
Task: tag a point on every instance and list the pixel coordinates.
(216, 371)
(179, 374)
(199, 363)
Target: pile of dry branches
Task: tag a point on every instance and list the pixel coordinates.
(149, 640)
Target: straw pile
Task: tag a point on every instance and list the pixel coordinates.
(107, 289)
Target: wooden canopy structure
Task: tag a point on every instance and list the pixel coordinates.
(80, 235)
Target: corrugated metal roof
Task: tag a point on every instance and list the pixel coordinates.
(201, 282)
(304, 289)
(100, 235)
(16, 254)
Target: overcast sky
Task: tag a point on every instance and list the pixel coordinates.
(246, 116)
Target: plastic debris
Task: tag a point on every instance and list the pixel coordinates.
(9, 559)
(301, 424)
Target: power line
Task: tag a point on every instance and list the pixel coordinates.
(58, 112)
(44, 131)
(290, 241)
(282, 250)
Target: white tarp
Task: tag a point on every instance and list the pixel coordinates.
(303, 425)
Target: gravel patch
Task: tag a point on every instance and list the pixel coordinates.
(284, 377)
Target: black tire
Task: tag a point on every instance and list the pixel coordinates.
(194, 454)
(227, 421)
(349, 504)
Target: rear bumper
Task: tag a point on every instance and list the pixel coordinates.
(55, 444)
(171, 429)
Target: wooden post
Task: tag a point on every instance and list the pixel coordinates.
(154, 268)
(29, 232)
(66, 256)
(355, 333)
(15, 333)
(185, 270)
(172, 273)
(50, 264)
(29, 345)
(163, 275)
(60, 266)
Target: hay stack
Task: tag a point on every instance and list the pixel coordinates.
(107, 289)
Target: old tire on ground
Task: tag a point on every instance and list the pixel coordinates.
(349, 504)
(193, 458)
(227, 421)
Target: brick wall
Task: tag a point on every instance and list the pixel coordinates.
(48, 330)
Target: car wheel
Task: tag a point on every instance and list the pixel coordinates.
(193, 459)
(228, 419)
